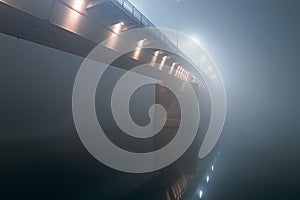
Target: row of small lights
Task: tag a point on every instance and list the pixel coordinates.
(207, 179)
(181, 72)
(180, 187)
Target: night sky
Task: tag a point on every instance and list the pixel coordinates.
(256, 45)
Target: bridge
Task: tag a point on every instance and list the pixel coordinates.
(43, 43)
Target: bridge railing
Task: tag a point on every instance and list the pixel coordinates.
(144, 20)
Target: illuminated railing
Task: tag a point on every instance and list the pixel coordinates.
(144, 20)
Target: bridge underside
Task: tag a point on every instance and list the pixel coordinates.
(40, 93)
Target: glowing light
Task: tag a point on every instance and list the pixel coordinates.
(195, 39)
(72, 17)
(172, 68)
(177, 71)
(138, 50)
(181, 72)
(189, 75)
(186, 75)
(200, 194)
(162, 62)
(117, 28)
(154, 58)
(212, 168)
(207, 179)
(78, 5)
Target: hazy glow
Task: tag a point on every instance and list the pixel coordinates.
(195, 39)
(212, 168)
(177, 71)
(154, 58)
(200, 194)
(181, 72)
(79, 5)
(162, 62)
(71, 20)
(207, 179)
(138, 50)
(117, 28)
(172, 68)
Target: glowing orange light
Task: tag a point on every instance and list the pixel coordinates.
(117, 28)
(162, 62)
(71, 20)
(172, 68)
(138, 50)
(154, 58)
(73, 16)
(177, 71)
(78, 5)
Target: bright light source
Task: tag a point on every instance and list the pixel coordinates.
(207, 179)
(162, 62)
(195, 39)
(117, 28)
(200, 194)
(172, 68)
(212, 168)
(154, 58)
(138, 50)
(78, 5)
